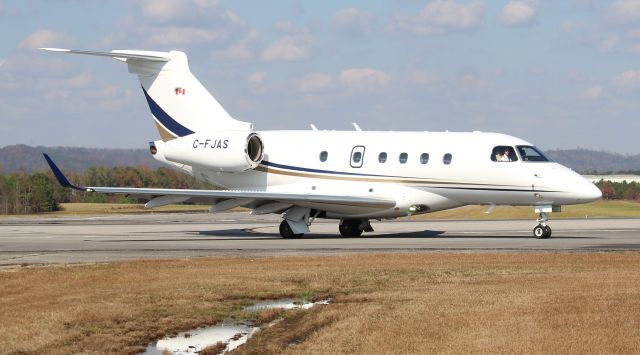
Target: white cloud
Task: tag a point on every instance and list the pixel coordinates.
(256, 81)
(167, 24)
(593, 92)
(441, 16)
(289, 48)
(365, 79)
(625, 11)
(161, 11)
(45, 38)
(244, 48)
(629, 78)
(353, 22)
(518, 13)
(315, 82)
(185, 36)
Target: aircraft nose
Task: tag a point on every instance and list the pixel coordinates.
(589, 192)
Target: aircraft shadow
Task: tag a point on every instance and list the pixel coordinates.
(426, 234)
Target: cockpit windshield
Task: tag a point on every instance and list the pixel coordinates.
(532, 154)
(503, 153)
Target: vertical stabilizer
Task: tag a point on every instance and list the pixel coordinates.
(179, 103)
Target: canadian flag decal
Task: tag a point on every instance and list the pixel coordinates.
(180, 91)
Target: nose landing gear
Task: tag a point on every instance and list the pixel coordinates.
(542, 230)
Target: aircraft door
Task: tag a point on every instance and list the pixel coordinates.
(357, 156)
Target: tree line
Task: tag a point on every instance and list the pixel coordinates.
(619, 190)
(23, 193)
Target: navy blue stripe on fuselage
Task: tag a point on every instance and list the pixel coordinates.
(167, 121)
(332, 172)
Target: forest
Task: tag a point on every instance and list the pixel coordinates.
(24, 193)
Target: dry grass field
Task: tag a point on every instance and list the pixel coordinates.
(382, 303)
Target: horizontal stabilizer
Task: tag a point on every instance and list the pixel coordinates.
(119, 54)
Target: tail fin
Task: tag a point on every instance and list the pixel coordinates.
(180, 104)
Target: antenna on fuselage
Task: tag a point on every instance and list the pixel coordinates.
(355, 125)
(313, 127)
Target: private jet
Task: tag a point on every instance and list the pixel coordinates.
(351, 176)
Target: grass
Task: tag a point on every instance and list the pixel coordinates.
(382, 303)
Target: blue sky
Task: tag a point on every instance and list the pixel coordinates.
(561, 74)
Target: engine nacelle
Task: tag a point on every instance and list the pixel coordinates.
(231, 151)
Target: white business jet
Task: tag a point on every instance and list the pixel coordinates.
(351, 176)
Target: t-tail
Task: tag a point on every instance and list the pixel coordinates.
(179, 103)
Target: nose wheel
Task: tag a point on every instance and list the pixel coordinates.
(542, 230)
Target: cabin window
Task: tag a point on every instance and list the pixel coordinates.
(503, 153)
(532, 154)
(323, 156)
(446, 159)
(382, 157)
(424, 158)
(403, 158)
(357, 157)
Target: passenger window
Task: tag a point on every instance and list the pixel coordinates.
(446, 159)
(403, 158)
(424, 158)
(503, 153)
(382, 157)
(357, 156)
(323, 156)
(529, 153)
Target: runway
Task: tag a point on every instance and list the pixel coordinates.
(25, 241)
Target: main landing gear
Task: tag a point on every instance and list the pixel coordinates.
(354, 227)
(348, 228)
(542, 230)
(286, 231)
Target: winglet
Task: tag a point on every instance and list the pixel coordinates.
(60, 176)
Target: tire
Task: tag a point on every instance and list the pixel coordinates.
(547, 232)
(286, 232)
(350, 228)
(540, 232)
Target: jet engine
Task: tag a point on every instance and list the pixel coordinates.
(232, 151)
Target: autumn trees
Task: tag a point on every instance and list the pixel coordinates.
(22, 193)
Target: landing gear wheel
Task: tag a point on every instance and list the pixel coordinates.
(351, 228)
(542, 232)
(286, 232)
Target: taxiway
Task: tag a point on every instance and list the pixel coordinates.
(25, 241)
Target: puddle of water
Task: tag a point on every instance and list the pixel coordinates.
(233, 335)
(198, 339)
(283, 304)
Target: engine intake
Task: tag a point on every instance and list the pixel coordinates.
(233, 151)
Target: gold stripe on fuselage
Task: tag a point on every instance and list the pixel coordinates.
(271, 170)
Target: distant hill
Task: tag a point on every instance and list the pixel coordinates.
(592, 161)
(28, 159)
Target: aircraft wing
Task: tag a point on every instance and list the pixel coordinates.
(252, 198)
